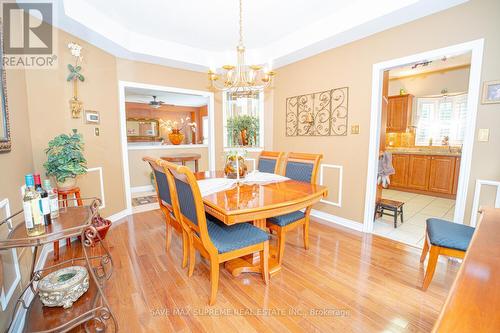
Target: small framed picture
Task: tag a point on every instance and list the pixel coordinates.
(92, 117)
(491, 92)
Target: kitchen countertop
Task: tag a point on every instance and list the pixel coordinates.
(426, 151)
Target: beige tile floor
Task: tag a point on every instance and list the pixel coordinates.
(417, 209)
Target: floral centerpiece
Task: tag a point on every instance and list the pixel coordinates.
(235, 160)
(175, 128)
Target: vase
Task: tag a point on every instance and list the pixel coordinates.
(176, 137)
(230, 167)
(67, 184)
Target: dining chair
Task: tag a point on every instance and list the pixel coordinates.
(443, 238)
(270, 161)
(165, 202)
(302, 167)
(215, 240)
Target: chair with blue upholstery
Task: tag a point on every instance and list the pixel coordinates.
(443, 238)
(270, 162)
(301, 167)
(163, 193)
(215, 240)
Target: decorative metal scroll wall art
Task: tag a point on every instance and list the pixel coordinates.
(318, 114)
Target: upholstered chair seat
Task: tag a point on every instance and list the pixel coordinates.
(443, 238)
(284, 220)
(229, 238)
(448, 234)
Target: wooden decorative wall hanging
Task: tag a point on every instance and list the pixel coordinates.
(318, 114)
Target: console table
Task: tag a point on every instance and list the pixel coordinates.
(183, 158)
(92, 309)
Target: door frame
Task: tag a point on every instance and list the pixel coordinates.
(476, 48)
(123, 126)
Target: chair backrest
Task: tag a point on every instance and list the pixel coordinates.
(161, 183)
(302, 167)
(269, 161)
(187, 202)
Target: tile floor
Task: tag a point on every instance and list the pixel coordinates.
(144, 201)
(416, 210)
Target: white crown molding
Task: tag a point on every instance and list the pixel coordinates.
(342, 27)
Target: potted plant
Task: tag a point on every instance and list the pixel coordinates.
(176, 136)
(65, 159)
(243, 130)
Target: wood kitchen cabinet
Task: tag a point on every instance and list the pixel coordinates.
(426, 174)
(400, 164)
(441, 176)
(418, 172)
(399, 113)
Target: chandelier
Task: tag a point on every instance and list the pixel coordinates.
(241, 78)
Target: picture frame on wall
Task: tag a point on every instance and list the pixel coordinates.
(491, 92)
(92, 117)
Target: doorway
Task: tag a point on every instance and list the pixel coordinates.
(420, 132)
(147, 115)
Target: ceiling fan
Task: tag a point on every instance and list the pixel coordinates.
(155, 104)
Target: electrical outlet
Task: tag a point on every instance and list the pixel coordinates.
(483, 135)
(96, 131)
(354, 129)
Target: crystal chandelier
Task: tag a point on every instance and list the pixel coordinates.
(241, 78)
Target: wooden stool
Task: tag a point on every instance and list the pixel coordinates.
(183, 158)
(396, 207)
(63, 197)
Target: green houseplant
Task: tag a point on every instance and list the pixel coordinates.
(65, 159)
(243, 130)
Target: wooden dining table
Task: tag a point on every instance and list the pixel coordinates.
(246, 202)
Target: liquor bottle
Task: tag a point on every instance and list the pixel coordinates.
(53, 199)
(44, 200)
(33, 217)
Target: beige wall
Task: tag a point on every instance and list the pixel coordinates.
(351, 65)
(454, 80)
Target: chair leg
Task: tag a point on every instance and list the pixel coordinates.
(192, 255)
(214, 280)
(306, 232)
(281, 244)
(425, 250)
(185, 249)
(431, 266)
(168, 234)
(264, 262)
(56, 251)
(395, 212)
(401, 214)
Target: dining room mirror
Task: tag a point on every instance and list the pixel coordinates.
(142, 129)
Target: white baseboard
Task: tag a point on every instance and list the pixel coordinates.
(337, 220)
(145, 188)
(119, 215)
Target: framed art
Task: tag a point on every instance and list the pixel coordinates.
(491, 92)
(92, 117)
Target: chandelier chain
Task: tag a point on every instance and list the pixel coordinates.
(241, 22)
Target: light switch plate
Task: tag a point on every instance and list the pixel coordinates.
(354, 129)
(483, 135)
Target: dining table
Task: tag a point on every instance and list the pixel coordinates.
(255, 202)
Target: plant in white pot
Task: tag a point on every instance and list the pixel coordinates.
(65, 159)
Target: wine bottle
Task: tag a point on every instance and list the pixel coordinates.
(53, 199)
(31, 206)
(44, 200)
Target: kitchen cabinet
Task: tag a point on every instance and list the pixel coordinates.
(418, 172)
(400, 164)
(399, 113)
(441, 176)
(426, 174)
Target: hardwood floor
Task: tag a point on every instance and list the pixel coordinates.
(345, 282)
